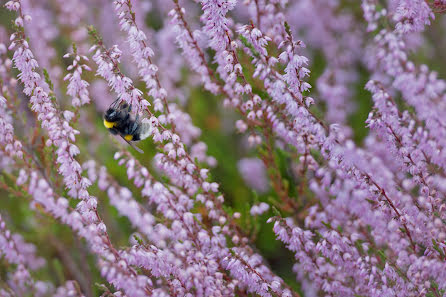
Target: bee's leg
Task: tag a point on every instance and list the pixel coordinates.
(133, 146)
(113, 131)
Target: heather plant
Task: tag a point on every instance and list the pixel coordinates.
(292, 148)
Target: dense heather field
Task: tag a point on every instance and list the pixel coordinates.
(292, 148)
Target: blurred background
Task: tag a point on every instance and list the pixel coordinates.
(57, 24)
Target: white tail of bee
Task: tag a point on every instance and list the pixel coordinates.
(146, 129)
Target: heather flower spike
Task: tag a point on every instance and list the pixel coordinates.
(292, 148)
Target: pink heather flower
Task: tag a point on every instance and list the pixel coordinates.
(217, 30)
(413, 82)
(214, 17)
(43, 32)
(175, 206)
(84, 222)
(12, 147)
(253, 173)
(186, 40)
(120, 84)
(141, 52)
(259, 209)
(16, 250)
(68, 290)
(168, 58)
(371, 15)
(340, 40)
(121, 198)
(77, 87)
(269, 16)
(411, 15)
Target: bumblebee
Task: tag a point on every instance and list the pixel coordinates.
(119, 120)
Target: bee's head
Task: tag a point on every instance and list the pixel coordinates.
(112, 115)
(117, 112)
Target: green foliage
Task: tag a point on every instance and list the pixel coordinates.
(48, 80)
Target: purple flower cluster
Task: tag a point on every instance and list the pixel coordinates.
(359, 218)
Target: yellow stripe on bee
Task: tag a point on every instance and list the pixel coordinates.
(108, 124)
(128, 137)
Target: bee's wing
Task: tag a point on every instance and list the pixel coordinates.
(133, 146)
(115, 103)
(121, 105)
